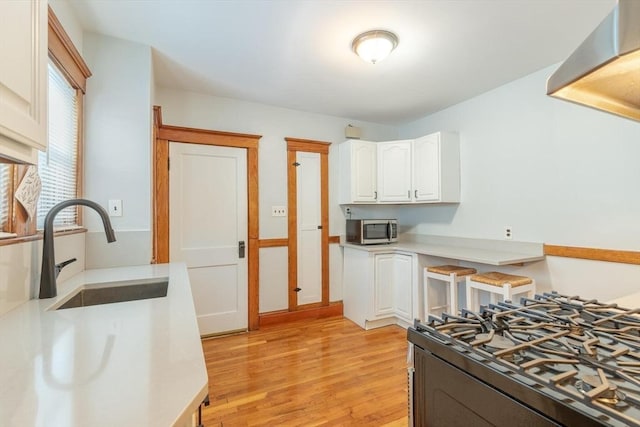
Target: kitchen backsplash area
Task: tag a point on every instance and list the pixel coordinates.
(20, 267)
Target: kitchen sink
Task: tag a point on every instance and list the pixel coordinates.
(113, 292)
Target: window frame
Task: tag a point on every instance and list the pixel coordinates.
(66, 57)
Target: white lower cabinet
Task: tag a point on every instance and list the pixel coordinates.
(403, 269)
(384, 283)
(379, 288)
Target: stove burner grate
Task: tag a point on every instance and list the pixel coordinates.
(599, 389)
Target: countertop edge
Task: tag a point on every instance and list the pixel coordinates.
(468, 254)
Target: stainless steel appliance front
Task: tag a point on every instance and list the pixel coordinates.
(372, 231)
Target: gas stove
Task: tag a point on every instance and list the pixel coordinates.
(569, 360)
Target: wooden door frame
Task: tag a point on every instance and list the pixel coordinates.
(162, 134)
(293, 146)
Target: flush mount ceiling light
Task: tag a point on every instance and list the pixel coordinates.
(373, 46)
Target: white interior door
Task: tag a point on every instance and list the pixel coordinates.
(208, 220)
(309, 235)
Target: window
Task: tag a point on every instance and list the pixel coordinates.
(5, 182)
(58, 167)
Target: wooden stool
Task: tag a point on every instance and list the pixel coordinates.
(451, 274)
(497, 283)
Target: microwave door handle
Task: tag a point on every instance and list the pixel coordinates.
(389, 230)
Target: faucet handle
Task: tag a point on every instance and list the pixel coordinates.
(63, 264)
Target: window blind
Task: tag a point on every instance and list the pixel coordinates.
(58, 166)
(5, 170)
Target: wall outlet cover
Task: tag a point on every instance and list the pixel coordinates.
(115, 207)
(278, 211)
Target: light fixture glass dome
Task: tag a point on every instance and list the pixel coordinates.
(373, 46)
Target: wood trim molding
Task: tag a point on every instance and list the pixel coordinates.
(162, 135)
(39, 236)
(292, 221)
(324, 214)
(272, 243)
(80, 155)
(284, 316)
(594, 254)
(308, 145)
(275, 243)
(206, 137)
(63, 51)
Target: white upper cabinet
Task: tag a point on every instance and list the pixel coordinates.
(23, 79)
(358, 177)
(423, 170)
(394, 171)
(436, 168)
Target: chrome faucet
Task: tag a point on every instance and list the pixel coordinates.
(50, 270)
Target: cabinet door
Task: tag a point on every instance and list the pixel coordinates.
(384, 283)
(358, 285)
(403, 278)
(426, 168)
(363, 171)
(23, 76)
(394, 171)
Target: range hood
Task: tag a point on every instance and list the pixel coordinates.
(604, 72)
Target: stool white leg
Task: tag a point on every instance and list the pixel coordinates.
(532, 292)
(453, 294)
(471, 303)
(424, 314)
(507, 292)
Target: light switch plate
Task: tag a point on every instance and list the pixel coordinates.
(115, 207)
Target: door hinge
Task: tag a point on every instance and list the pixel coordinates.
(296, 164)
(297, 289)
(319, 227)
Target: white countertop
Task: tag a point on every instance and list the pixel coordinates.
(628, 301)
(483, 251)
(137, 363)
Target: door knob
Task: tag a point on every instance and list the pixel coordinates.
(241, 249)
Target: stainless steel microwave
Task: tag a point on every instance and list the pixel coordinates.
(372, 231)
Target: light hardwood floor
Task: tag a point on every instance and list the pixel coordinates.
(326, 372)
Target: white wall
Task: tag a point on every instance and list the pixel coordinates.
(118, 148)
(554, 171)
(274, 124)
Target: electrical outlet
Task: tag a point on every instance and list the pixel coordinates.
(278, 211)
(508, 232)
(115, 207)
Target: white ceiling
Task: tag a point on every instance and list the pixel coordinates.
(297, 54)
